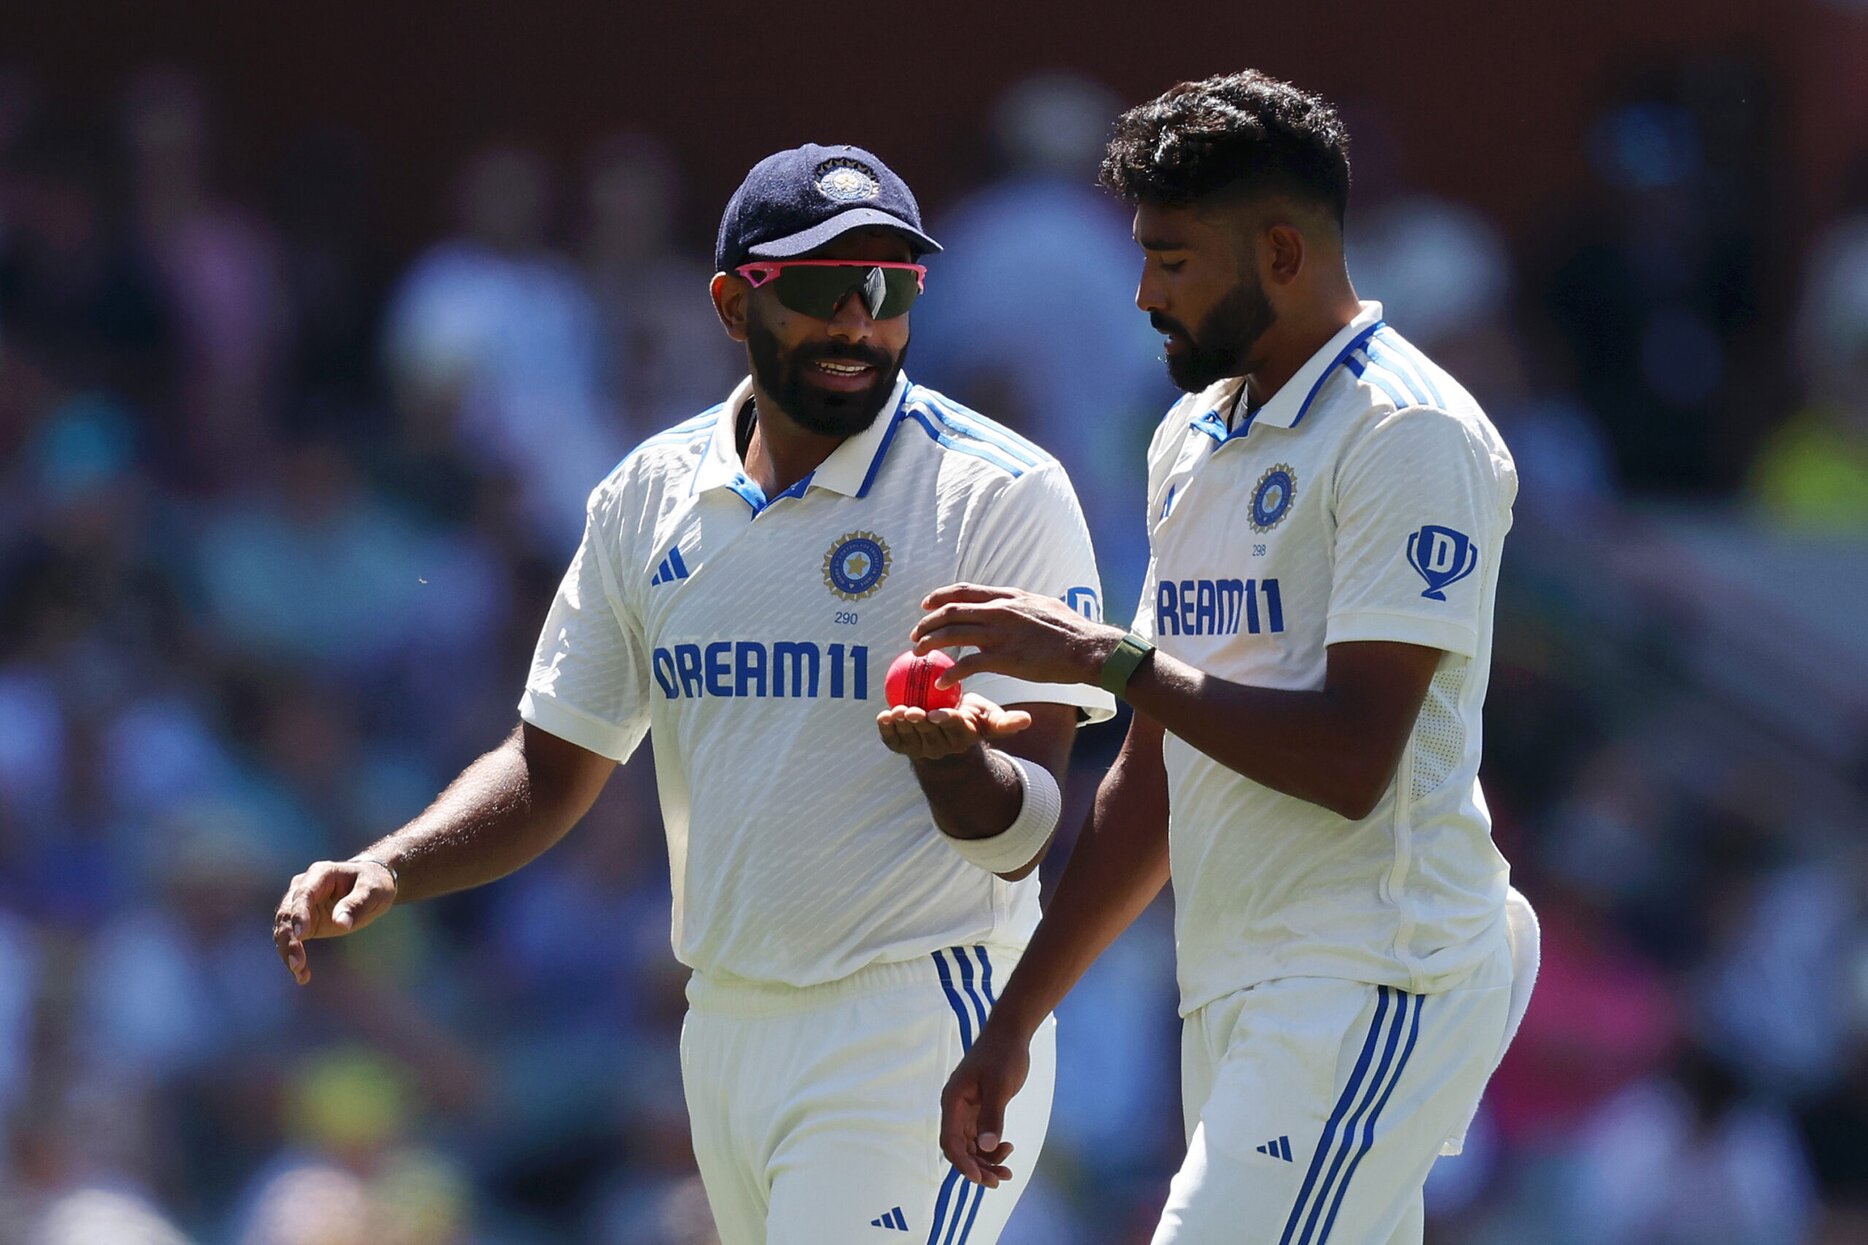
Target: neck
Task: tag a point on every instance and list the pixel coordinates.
(1299, 333)
(781, 451)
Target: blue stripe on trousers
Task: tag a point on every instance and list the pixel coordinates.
(1328, 1140)
(1368, 1132)
(951, 1212)
(1357, 1118)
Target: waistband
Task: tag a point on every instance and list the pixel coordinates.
(970, 971)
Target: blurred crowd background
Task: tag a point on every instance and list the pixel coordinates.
(298, 414)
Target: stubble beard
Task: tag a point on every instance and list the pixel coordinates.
(1226, 340)
(782, 377)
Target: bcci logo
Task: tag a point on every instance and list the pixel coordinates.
(1272, 499)
(856, 565)
(847, 181)
(1442, 556)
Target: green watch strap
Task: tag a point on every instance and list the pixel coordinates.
(1122, 663)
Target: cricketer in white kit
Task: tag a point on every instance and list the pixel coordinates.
(851, 882)
(1326, 513)
(844, 955)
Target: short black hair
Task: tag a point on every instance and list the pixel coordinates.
(1234, 132)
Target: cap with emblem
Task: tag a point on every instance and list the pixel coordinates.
(795, 201)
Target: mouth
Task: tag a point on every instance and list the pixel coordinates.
(843, 375)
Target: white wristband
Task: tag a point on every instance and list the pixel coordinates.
(1013, 847)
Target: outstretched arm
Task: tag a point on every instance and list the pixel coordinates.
(504, 810)
(1336, 746)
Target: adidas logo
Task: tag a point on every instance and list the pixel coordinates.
(671, 569)
(1279, 1149)
(892, 1220)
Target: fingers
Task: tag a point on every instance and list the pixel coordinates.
(966, 667)
(964, 592)
(1005, 722)
(969, 1134)
(955, 614)
(929, 734)
(291, 950)
(329, 899)
(991, 1120)
(288, 926)
(368, 899)
(952, 636)
(959, 1107)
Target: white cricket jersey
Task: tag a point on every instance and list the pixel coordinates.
(1366, 500)
(752, 636)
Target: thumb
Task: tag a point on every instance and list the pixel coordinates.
(1003, 722)
(991, 1118)
(352, 908)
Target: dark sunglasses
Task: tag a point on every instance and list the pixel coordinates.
(817, 287)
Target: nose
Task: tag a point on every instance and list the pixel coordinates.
(850, 321)
(1148, 294)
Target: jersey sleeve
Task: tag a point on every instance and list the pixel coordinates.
(589, 682)
(1144, 624)
(1422, 505)
(1034, 537)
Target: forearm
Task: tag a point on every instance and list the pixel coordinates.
(1337, 746)
(1327, 746)
(1119, 865)
(973, 794)
(503, 811)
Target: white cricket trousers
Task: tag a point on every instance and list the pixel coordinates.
(1316, 1107)
(816, 1111)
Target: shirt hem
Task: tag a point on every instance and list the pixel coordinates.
(1455, 638)
(1394, 975)
(727, 994)
(587, 732)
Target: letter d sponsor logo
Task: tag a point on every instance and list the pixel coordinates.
(1442, 557)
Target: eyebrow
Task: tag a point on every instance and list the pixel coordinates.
(1160, 244)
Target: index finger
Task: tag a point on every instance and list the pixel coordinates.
(285, 938)
(963, 592)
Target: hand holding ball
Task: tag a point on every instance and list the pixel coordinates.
(910, 681)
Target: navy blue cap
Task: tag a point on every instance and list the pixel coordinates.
(796, 201)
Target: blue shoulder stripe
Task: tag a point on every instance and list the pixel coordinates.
(680, 432)
(1324, 376)
(1397, 354)
(963, 444)
(1381, 378)
(977, 426)
(1410, 384)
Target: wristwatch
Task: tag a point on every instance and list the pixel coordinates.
(1123, 662)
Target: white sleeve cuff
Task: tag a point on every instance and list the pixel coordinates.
(1003, 690)
(575, 726)
(1440, 633)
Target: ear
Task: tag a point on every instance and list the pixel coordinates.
(730, 292)
(1282, 251)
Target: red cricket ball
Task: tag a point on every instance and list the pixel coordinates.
(911, 681)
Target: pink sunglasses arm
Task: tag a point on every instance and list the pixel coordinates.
(760, 273)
